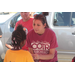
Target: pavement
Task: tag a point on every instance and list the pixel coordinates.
(65, 57)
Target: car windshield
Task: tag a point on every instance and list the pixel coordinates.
(4, 17)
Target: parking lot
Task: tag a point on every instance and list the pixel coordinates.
(65, 57)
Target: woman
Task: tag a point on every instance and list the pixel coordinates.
(41, 41)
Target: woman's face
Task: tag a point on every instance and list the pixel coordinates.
(38, 27)
(25, 16)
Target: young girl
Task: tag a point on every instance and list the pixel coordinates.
(16, 54)
(42, 41)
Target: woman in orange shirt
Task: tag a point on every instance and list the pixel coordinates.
(16, 54)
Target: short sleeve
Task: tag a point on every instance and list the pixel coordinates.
(29, 57)
(53, 43)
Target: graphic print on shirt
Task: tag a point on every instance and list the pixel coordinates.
(40, 47)
(25, 29)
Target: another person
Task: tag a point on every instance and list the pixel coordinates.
(42, 41)
(16, 54)
(27, 24)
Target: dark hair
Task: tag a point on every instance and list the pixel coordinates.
(45, 13)
(42, 18)
(18, 36)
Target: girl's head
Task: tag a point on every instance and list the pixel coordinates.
(18, 37)
(39, 23)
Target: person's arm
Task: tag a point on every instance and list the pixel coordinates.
(47, 56)
(32, 53)
(8, 46)
(31, 50)
(9, 43)
(43, 57)
(0, 36)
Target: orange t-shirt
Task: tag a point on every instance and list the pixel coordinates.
(18, 56)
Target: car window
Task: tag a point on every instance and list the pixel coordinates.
(19, 18)
(62, 19)
(73, 19)
(14, 20)
(37, 13)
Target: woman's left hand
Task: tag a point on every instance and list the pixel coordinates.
(36, 56)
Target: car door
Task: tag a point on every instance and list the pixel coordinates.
(1, 40)
(63, 24)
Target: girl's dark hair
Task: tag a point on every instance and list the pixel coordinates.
(42, 18)
(18, 36)
(45, 13)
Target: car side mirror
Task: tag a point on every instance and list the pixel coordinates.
(55, 21)
(12, 24)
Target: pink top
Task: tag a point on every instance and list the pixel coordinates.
(41, 44)
(28, 24)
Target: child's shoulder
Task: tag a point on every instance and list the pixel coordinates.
(9, 50)
(25, 52)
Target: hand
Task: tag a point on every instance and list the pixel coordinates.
(0, 36)
(35, 56)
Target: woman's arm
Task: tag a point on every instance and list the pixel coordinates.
(33, 55)
(46, 57)
(31, 50)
